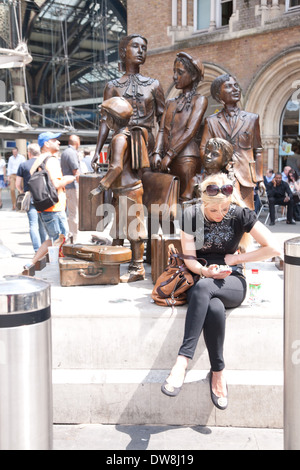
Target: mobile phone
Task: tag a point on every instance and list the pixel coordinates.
(225, 268)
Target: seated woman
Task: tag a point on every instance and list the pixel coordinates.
(213, 230)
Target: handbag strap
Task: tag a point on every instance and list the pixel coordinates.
(191, 257)
(38, 163)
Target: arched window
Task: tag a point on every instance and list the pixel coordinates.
(289, 150)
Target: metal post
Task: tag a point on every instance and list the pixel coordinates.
(292, 344)
(26, 421)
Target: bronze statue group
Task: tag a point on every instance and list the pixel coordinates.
(220, 169)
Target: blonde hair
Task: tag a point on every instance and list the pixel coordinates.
(221, 179)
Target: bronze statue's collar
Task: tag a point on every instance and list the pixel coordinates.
(224, 122)
(231, 112)
(133, 84)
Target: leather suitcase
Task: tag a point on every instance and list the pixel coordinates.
(88, 218)
(159, 252)
(108, 255)
(76, 272)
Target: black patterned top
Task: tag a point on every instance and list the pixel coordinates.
(216, 239)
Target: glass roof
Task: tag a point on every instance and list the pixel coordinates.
(74, 46)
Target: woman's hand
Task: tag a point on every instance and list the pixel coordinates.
(232, 260)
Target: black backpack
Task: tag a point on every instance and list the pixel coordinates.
(43, 192)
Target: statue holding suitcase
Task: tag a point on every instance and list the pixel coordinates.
(123, 178)
(177, 143)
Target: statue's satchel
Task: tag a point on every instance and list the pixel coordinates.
(161, 189)
(107, 255)
(139, 152)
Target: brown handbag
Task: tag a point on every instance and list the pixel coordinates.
(171, 287)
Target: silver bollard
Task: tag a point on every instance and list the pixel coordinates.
(292, 344)
(26, 421)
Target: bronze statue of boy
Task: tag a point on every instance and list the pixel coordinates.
(123, 178)
(242, 130)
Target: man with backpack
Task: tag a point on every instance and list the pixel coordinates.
(69, 162)
(36, 227)
(54, 217)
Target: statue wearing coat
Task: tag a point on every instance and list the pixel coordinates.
(242, 130)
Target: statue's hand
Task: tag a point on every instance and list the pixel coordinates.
(95, 192)
(95, 165)
(165, 163)
(156, 161)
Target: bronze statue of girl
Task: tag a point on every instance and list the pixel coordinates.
(177, 147)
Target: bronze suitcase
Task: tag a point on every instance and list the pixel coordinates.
(159, 252)
(108, 255)
(76, 272)
(89, 217)
(161, 190)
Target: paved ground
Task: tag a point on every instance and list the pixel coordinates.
(15, 251)
(165, 438)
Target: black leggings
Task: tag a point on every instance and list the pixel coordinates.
(208, 299)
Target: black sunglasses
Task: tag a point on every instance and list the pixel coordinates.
(213, 189)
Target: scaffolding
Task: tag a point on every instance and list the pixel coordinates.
(73, 48)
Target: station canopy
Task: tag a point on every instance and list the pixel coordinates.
(74, 49)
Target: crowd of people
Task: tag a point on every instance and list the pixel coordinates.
(282, 189)
(64, 169)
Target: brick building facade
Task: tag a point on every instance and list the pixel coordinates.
(255, 40)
